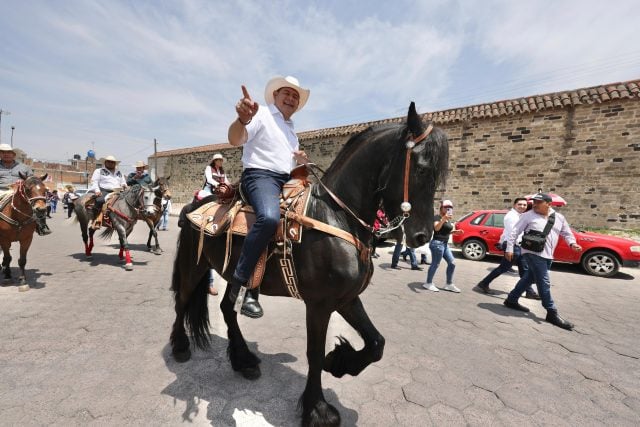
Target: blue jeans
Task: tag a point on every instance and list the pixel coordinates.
(505, 265)
(262, 189)
(538, 272)
(440, 250)
(397, 251)
(164, 220)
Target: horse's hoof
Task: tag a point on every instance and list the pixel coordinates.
(251, 373)
(322, 414)
(182, 356)
(89, 256)
(157, 251)
(128, 267)
(23, 288)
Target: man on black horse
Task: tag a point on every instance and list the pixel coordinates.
(10, 170)
(140, 176)
(271, 150)
(104, 181)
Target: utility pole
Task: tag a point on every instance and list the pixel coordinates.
(12, 129)
(6, 113)
(155, 158)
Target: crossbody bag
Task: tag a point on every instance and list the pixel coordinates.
(534, 240)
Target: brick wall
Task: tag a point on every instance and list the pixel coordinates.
(589, 154)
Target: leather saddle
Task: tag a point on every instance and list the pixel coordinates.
(90, 203)
(234, 216)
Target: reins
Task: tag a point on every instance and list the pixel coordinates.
(135, 209)
(20, 191)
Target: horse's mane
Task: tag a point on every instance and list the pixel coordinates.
(356, 141)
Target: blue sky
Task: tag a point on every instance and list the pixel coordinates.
(114, 75)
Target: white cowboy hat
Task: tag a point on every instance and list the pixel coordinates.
(110, 158)
(6, 147)
(140, 164)
(217, 156)
(289, 81)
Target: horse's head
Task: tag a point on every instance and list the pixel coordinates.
(162, 184)
(416, 176)
(34, 192)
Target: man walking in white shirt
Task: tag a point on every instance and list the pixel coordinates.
(540, 262)
(510, 220)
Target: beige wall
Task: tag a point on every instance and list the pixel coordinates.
(589, 154)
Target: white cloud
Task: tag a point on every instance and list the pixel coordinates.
(121, 72)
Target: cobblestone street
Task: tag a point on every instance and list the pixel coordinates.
(89, 345)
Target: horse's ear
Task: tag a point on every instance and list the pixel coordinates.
(413, 121)
(168, 178)
(156, 182)
(43, 177)
(22, 176)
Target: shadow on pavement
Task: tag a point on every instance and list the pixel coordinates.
(274, 396)
(32, 276)
(106, 259)
(501, 310)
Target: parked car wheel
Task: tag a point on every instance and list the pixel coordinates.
(474, 249)
(601, 263)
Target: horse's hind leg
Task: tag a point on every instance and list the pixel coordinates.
(124, 244)
(6, 262)
(315, 409)
(241, 358)
(344, 359)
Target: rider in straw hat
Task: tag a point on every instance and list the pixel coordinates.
(103, 182)
(214, 174)
(271, 150)
(10, 170)
(140, 176)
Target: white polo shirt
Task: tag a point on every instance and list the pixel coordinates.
(534, 221)
(271, 141)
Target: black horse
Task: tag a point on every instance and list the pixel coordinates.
(369, 170)
(123, 214)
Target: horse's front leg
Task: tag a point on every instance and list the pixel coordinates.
(315, 409)
(153, 233)
(25, 244)
(241, 358)
(6, 261)
(344, 359)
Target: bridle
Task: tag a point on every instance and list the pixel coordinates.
(405, 206)
(21, 192)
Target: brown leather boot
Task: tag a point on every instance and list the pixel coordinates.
(97, 223)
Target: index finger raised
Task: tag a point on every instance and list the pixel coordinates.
(245, 93)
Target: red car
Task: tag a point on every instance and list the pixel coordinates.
(601, 255)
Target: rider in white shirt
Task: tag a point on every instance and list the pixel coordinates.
(104, 181)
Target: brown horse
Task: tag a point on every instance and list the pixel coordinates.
(20, 208)
(153, 210)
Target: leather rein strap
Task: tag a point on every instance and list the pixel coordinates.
(407, 161)
(410, 144)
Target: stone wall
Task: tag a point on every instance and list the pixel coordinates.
(587, 153)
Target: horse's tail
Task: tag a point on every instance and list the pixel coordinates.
(196, 310)
(81, 216)
(107, 233)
